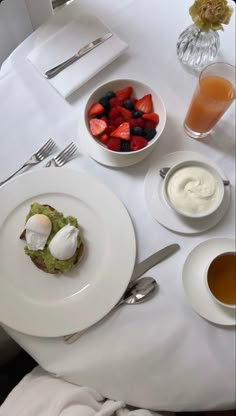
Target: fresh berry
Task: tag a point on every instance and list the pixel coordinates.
(114, 102)
(149, 124)
(124, 112)
(134, 100)
(108, 95)
(104, 102)
(113, 113)
(114, 144)
(137, 131)
(95, 109)
(140, 122)
(103, 138)
(124, 93)
(122, 131)
(117, 121)
(136, 113)
(144, 104)
(124, 146)
(151, 116)
(109, 129)
(97, 126)
(137, 142)
(104, 118)
(128, 104)
(149, 133)
(133, 123)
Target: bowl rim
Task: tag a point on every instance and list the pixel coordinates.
(212, 170)
(227, 305)
(128, 81)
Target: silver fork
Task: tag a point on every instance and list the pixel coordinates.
(37, 157)
(63, 156)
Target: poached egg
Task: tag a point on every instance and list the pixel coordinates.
(38, 228)
(64, 243)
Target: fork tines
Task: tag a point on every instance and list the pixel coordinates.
(46, 148)
(66, 153)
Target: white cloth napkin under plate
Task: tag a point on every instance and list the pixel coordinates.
(39, 394)
(66, 42)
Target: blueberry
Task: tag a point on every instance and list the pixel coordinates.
(149, 133)
(136, 113)
(128, 104)
(124, 146)
(108, 95)
(137, 131)
(104, 101)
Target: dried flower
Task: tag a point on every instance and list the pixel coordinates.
(210, 14)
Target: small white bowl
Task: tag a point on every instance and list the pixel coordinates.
(139, 90)
(219, 183)
(227, 305)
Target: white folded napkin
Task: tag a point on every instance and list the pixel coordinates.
(66, 42)
(39, 394)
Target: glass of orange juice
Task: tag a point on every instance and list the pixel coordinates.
(214, 93)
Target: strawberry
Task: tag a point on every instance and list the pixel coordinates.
(149, 124)
(114, 102)
(122, 131)
(151, 116)
(124, 112)
(140, 122)
(124, 93)
(119, 120)
(144, 104)
(103, 138)
(104, 118)
(109, 129)
(134, 100)
(133, 123)
(97, 126)
(114, 144)
(95, 109)
(137, 142)
(113, 113)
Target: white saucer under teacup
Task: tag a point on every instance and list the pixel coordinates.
(159, 208)
(194, 283)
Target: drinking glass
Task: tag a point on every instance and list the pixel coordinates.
(213, 95)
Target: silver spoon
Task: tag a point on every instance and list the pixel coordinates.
(163, 172)
(137, 291)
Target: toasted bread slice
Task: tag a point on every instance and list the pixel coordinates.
(41, 265)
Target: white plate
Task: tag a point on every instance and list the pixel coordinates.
(37, 303)
(195, 286)
(161, 211)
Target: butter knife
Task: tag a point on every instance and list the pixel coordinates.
(152, 260)
(87, 48)
(139, 270)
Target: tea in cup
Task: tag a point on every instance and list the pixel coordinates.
(221, 279)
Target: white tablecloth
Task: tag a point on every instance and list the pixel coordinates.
(160, 355)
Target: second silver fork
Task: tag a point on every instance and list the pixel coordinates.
(63, 156)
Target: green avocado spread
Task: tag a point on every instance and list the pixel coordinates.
(58, 221)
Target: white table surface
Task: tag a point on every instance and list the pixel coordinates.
(160, 355)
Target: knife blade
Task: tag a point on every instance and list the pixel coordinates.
(81, 52)
(152, 260)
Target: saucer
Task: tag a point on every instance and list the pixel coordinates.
(161, 211)
(194, 282)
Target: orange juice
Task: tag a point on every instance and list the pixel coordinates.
(212, 97)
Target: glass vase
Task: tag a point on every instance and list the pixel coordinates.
(196, 49)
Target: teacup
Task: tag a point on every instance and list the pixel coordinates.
(220, 278)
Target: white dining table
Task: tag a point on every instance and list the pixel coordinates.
(160, 355)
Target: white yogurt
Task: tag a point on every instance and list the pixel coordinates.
(193, 190)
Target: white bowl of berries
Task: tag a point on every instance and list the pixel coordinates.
(125, 117)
